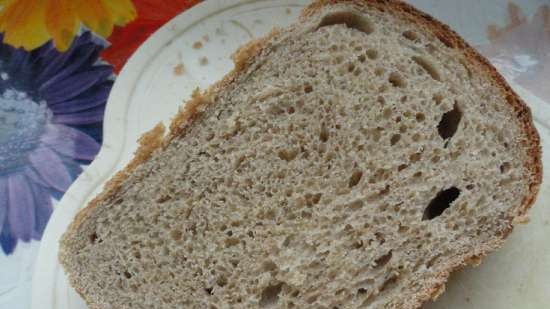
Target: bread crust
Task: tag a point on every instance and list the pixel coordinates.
(155, 140)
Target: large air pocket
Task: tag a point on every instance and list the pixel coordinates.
(350, 19)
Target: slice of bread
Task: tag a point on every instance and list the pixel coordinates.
(352, 160)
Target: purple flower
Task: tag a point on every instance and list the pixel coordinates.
(51, 113)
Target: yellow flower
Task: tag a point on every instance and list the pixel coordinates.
(31, 23)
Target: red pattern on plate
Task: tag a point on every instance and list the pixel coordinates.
(151, 16)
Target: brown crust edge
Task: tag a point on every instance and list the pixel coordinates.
(155, 140)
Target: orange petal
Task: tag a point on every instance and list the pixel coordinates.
(61, 22)
(3, 3)
(122, 11)
(22, 22)
(95, 16)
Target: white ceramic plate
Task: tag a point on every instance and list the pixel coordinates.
(160, 77)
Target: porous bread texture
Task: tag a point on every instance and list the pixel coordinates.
(353, 160)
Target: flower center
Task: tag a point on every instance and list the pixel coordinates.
(22, 123)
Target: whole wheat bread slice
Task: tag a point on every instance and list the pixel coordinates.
(352, 160)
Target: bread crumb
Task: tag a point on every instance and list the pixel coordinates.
(468, 299)
(203, 61)
(206, 38)
(197, 45)
(521, 220)
(179, 69)
(288, 11)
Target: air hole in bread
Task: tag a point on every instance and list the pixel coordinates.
(288, 154)
(234, 262)
(390, 282)
(355, 205)
(270, 295)
(355, 178)
(93, 238)
(440, 203)
(379, 72)
(432, 261)
(176, 234)
(448, 125)
(395, 139)
(420, 117)
(324, 134)
(505, 167)
(415, 157)
(231, 241)
(383, 260)
(397, 80)
(362, 58)
(308, 88)
(428, 66)
(410, 35)
(402, 167)
(290, 110)
(350, 19)
(384, 191)
(163, 198)
(372, 54)
(387, 113)
(306, 214)
(376, 135)
(311, 299)
(127, 275)
(312, 199)
(268, 266)
(437, 98)
(221, 281)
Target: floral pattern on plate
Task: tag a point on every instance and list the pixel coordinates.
(30, 24)
(51, 113)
